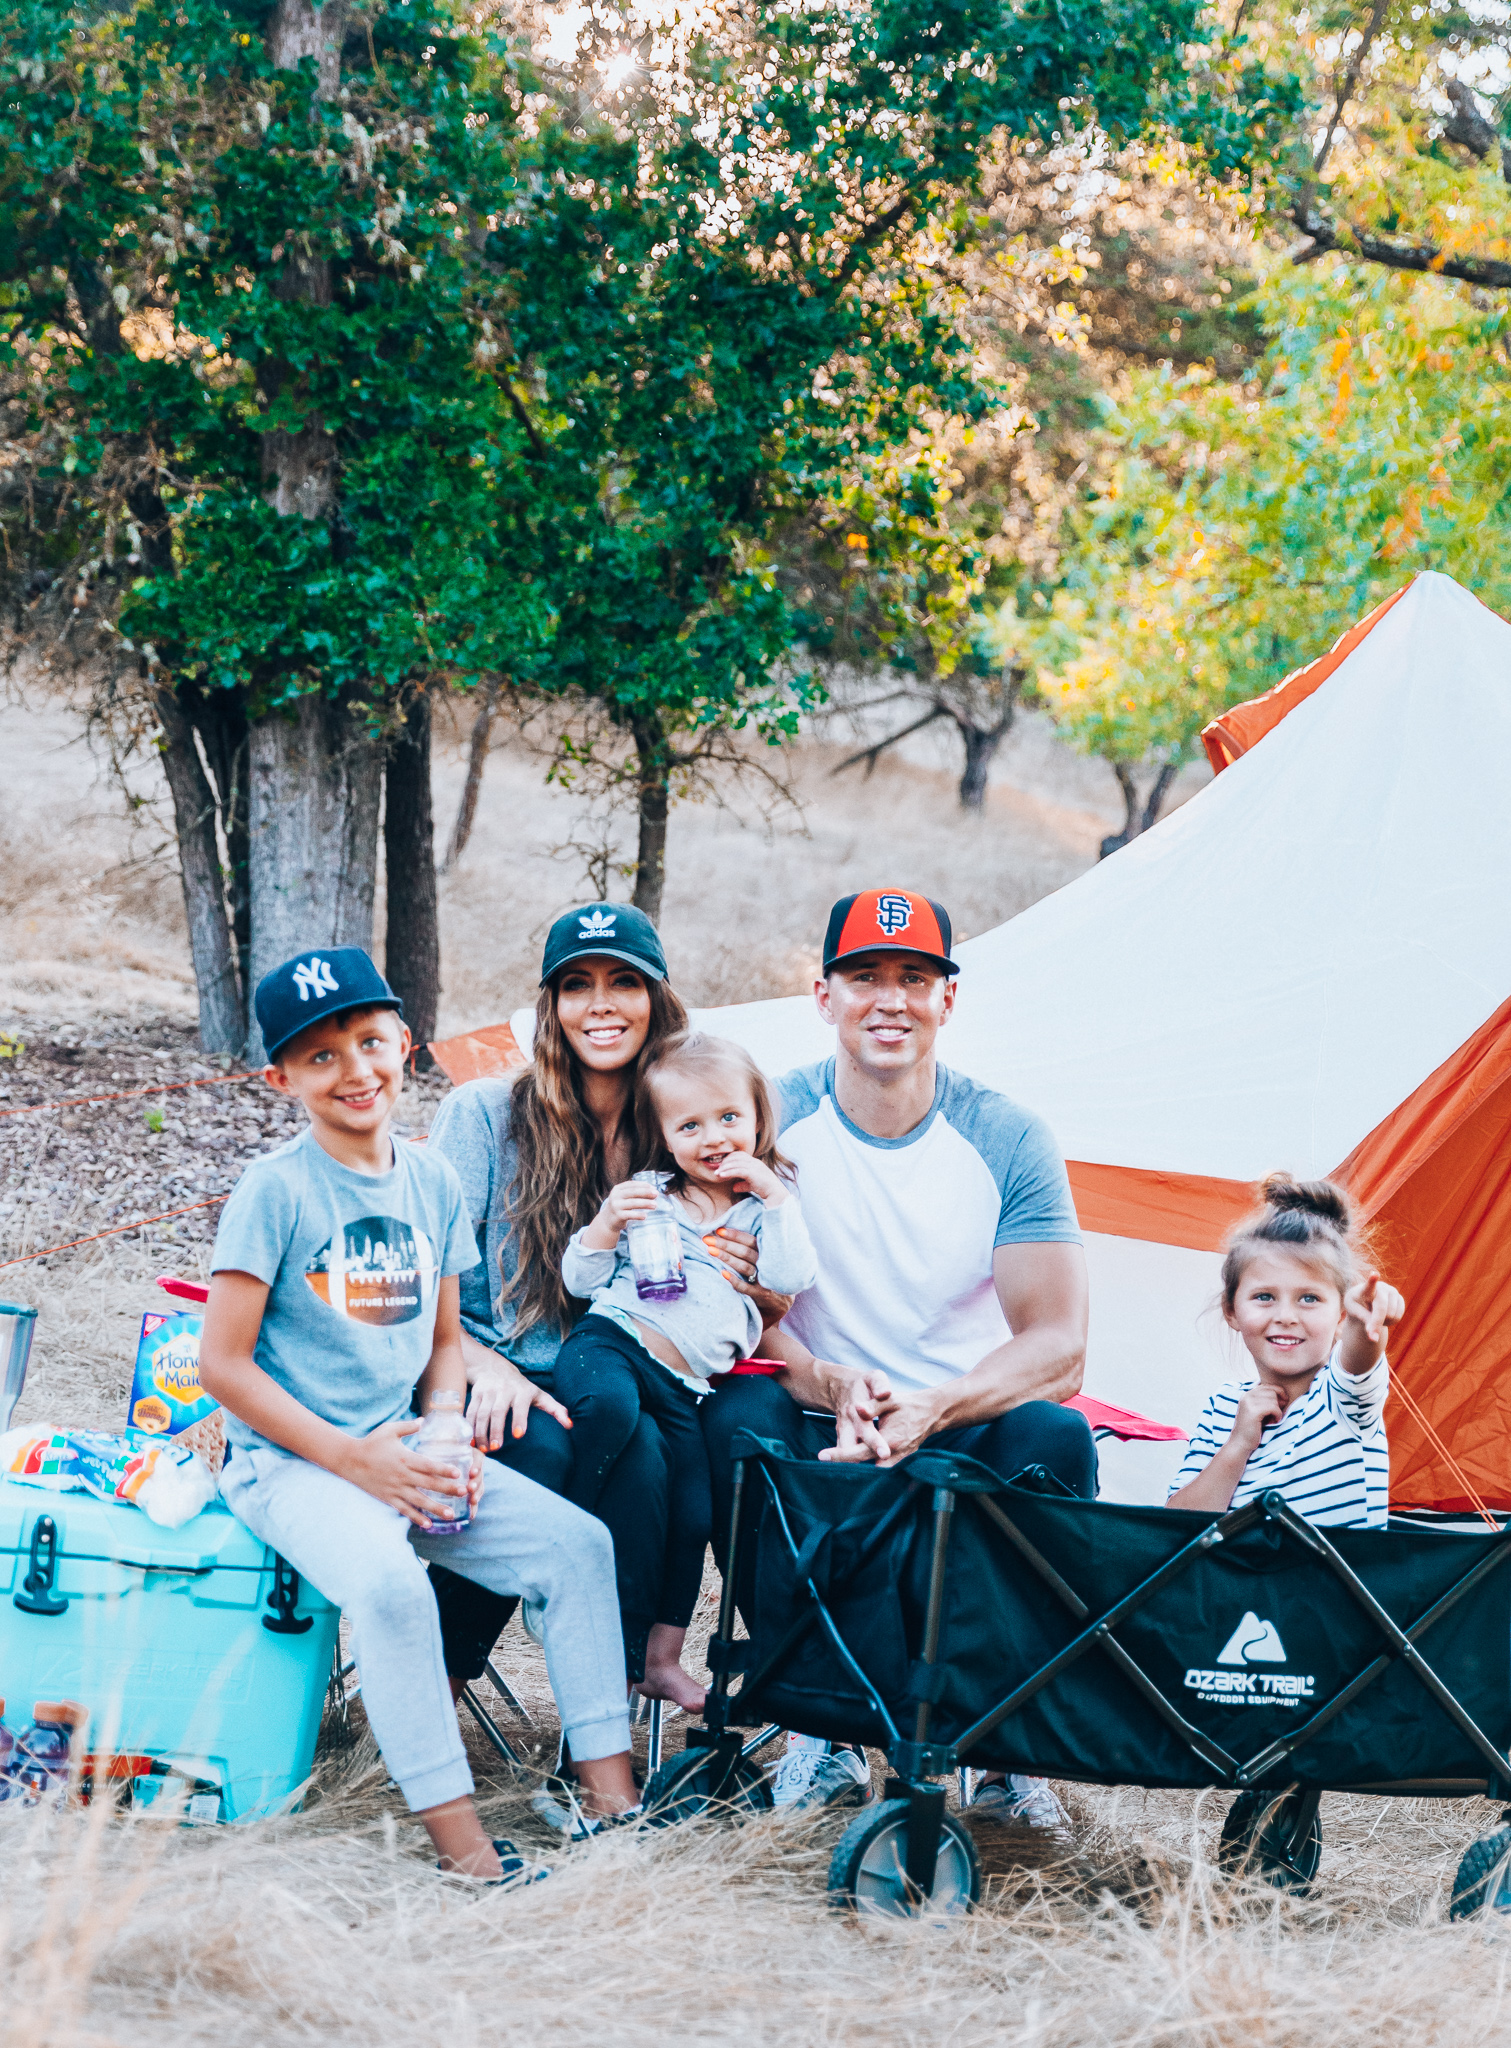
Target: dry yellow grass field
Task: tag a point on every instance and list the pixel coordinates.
(330, 1925)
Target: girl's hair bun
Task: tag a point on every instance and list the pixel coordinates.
(1313, 1197)
(1314, 1219)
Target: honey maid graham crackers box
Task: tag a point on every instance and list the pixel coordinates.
(166, 1395)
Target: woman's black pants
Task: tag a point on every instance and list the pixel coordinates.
(613, 1388)
(633, 1501)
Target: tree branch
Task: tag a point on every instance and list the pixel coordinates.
(870, 755)
(1485, 271)
(1469, 127)
(1350, 80)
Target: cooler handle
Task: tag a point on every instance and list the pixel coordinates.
(283, 1621)
(36, 1595)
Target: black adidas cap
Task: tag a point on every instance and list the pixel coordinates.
(315, 985)
(604, 931)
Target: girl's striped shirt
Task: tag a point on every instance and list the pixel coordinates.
(1327, 1454)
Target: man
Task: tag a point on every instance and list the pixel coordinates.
(951, 1298)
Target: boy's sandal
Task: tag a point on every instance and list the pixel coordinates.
(567, 1818)
(513, 1867)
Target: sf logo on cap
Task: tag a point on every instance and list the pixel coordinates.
(596, 924)
(314, 979)
(893, 913)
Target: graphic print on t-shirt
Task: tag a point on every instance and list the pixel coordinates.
(376, 1270)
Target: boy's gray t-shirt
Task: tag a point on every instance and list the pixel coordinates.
(353, 1263)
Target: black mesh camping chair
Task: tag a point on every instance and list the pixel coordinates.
(949, 1619)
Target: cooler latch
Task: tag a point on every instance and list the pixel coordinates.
(36, 1595)
(283, 1599)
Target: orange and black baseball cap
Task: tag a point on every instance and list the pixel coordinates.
(888, 921)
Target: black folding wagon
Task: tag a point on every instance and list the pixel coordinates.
(952, 1620)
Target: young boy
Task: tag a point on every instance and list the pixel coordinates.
(333, 1304)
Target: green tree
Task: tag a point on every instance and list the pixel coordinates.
(249, 312)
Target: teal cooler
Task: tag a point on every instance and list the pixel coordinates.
(198, 1647)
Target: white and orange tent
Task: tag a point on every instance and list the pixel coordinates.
(1307, 966)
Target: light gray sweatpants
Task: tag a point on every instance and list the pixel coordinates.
(362, 1556)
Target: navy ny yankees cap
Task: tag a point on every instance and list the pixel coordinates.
(605, 931)
(315, 985)
(888, 921)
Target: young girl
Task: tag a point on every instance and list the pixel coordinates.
(706, 1118)
(1313, 1318)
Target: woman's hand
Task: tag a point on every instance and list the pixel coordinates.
(501, 1400)
(622, 1206)
(736, 1251)
(383, 1465)
(1258, 1407)
(747, 1175)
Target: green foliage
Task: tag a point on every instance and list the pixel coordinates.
(567, 373)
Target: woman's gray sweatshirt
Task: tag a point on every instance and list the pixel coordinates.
(711, 1324)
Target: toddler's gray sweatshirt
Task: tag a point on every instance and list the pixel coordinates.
(711, 1324)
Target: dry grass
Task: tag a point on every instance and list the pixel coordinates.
(330, 1925)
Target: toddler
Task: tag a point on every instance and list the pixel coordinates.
(1313, 1319)
(705, 1117)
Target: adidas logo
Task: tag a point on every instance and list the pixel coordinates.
(596, 924)
(1253, 1642)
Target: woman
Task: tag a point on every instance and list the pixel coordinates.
(536, 1154)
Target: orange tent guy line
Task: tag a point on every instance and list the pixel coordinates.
(1397, 1387)
(114, 1231)
(125, 1095)
(1238, 730)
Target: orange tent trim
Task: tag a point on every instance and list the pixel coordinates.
(1187, 1209)
(1246, 724)
(492, 1050)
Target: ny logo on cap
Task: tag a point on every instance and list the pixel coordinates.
(596, 924)
(893, 913)
(314, 978)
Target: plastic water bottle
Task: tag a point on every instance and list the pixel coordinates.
(446, 1435)
(39, 1761)
(656, 1246)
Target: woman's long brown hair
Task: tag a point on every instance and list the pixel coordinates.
(562, 1178)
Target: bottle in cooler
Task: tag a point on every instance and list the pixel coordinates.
(656, 1246)
(446, 1435)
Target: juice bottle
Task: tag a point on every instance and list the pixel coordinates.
(39, 1763)
(446, 1435)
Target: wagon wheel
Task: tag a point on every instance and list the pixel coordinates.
(869, 1866)
(1484, 1876)
(1274, 1835)
(703, 1781)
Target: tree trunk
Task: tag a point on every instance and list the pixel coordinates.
(221, 722)
(477, 755)
(316, 774)
(221, 1025)
(654, 800)
(1134, 820)
(414, 939)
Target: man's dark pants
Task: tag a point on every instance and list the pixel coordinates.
(1036, 1433)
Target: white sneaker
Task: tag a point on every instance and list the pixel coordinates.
(570, 1820)
(1022, 1802)
(811, 1774)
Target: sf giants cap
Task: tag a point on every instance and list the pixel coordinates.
(316, 985)
(888, 921)
(605, 931)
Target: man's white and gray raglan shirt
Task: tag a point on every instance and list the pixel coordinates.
(905, 1228)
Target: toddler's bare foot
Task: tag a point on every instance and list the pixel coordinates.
(671, 1682)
